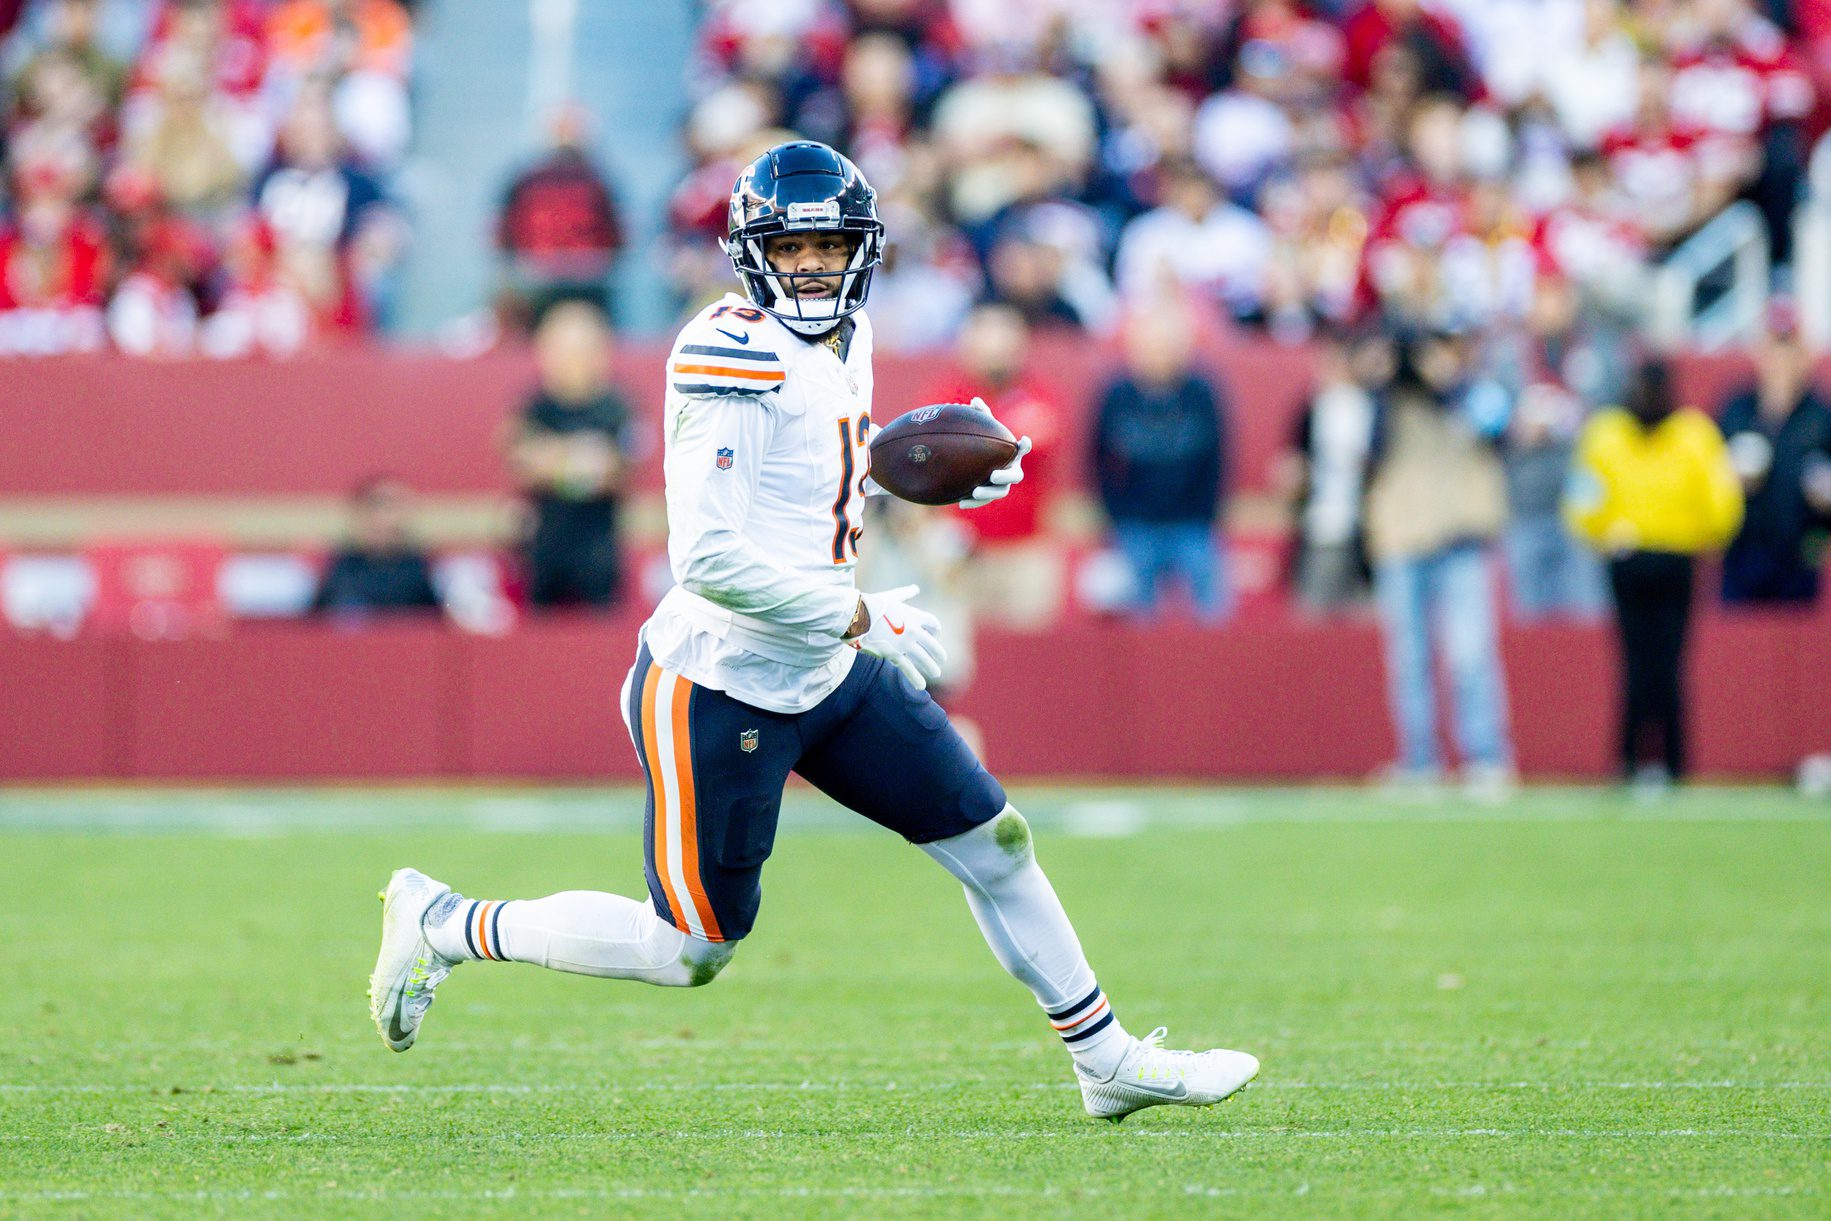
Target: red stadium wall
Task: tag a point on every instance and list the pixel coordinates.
(100, 425)
(111, 426)
(1271, 700)
(1265, 698)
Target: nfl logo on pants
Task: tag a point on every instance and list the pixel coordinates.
(747, 741)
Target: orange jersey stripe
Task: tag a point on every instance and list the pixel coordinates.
(1093, 1013)
(689, 810)
(651, 751)
(755, 375)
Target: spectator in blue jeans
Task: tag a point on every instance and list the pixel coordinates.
(1552, 575)
(1159, 456)
(1436, 503)
(1563, 362)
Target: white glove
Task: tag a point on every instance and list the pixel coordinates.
(906, 636)
(998, 485)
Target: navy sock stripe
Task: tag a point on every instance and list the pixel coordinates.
(496, 932)
(470, 941)
(1062, 1014)
(1105, 1021)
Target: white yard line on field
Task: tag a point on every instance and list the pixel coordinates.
(876, 1192)
(1076, 1132)
(960, 1190)
(1087, 813)
(887, 1087)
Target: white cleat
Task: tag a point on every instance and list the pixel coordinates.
(408, 970)
(1151, 1076)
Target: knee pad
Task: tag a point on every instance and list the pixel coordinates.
(990, 852)
(703, 960)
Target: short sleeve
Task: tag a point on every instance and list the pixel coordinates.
(714, 361)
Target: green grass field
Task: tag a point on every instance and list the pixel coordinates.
(1566, 1006)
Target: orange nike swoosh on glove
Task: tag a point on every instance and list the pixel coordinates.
(893, 625)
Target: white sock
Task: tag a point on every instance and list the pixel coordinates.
(1031, 937)
(585, 932)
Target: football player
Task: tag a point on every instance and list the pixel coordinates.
(764, 659)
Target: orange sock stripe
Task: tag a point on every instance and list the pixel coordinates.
(651, 751)
(481, 931)
(689, 810)
(1091, 1014)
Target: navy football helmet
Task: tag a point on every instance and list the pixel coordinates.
(803, 187)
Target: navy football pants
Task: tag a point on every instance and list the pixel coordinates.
(716, 769)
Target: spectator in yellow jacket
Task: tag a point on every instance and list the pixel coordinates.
(1652, 487)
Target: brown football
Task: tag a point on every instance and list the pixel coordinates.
(938, 455)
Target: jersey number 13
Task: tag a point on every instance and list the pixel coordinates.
(853, 435)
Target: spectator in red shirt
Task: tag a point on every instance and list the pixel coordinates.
(1014, 576)
(1740, 79)
(166, 258)
(331, 221)
(1433, 36)
(1424, 208)
(559, 230)
(54, 263)
(1674, 176)
(264, 303)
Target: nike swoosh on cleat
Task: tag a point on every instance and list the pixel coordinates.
(733, 338)
(1179, 1090)
(395, 1033)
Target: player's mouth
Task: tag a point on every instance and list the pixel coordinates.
(816, 289)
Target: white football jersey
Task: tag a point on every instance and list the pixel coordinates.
(766, 462)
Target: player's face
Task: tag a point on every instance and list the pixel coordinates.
(812, 254)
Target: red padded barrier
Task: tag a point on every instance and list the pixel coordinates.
(1560, 696)
(1809, 674)
(1741, 670)
(103, 425)
(543, 701)
(61, 708)
(117, 427)
(1264, 698)
(279, 702)
(1272, 700)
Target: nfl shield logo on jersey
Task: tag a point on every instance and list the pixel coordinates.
(724, 459)
(747, 741)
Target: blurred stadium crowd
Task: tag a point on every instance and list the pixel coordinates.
(200, 176)
(1454, 209)
(212, 175)
(1296, 164)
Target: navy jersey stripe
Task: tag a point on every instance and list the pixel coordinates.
(707, 388)
(702, 349)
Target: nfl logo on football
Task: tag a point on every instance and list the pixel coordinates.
(724, 459)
